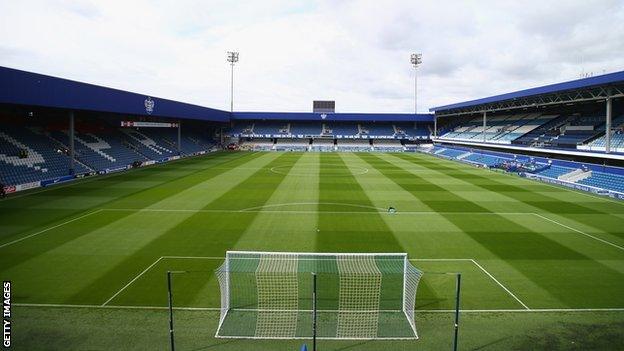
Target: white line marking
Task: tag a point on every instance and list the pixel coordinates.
(381, 210)
(526, 308)
(580, 232)
(500, 284)
(535, 181)
(440, 259)
(530, 310)
(572, 190)
(535, 310)
(255, 258)
(116, 306)
(194, 257)
(132, 281)
(222, 258)
(50, 228)
(311, 203)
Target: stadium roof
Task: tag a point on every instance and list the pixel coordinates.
(615, 79)
(359, 117)
(19, 87)
(32, 89)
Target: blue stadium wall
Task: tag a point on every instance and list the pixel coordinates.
(345, 117)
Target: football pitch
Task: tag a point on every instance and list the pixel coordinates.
(542, 266)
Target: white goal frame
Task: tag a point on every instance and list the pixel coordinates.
(408, 292)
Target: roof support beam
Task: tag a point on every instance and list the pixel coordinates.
(609, 112)
(71, 143)
(179, 137)
(484, 124)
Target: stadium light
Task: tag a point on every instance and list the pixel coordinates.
(232, 58)
(416, 59)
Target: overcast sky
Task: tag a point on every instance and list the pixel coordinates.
(354, 52)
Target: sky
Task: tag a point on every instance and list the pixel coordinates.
(293, 52)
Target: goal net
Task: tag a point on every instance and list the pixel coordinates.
(268, 295)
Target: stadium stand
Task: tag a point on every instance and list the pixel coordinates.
(146, 145)
(604, 181)
(99, 152)
(337, 130)
(340, 129)
(617, 138)
(412, 130)
(258, 145)
(555, 171)
(597, 178)
(501, 129)
(26, 156)
(323, 145)
(387, 145)
(271, 128)
(482, 159)
(376, 130)
(306, 129)
(242, 129)
(292, 144)
(361, 145)
(31, 152)
(582, 131)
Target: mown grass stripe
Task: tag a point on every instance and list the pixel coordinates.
(581, 212)
(204, 236)
(339, 234)
(495, 183)
(41, 212)
(25, 250)
(513, 243)
(101, 233)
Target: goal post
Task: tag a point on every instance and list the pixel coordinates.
(268, 295)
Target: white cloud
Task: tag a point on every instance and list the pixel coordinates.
(356, 52)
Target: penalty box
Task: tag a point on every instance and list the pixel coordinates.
(199, 288)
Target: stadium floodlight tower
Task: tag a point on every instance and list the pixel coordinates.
(416, 60)
(232, 58)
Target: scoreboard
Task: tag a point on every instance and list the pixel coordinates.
(324, 106)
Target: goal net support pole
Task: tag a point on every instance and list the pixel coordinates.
(456, 325)
(313, 311)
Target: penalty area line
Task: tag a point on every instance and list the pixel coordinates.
(579, 231)
(132, 281)
(500, 284)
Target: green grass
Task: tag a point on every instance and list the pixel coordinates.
(110, 240)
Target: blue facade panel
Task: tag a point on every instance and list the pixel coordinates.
(354, 117)
(26, 88)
